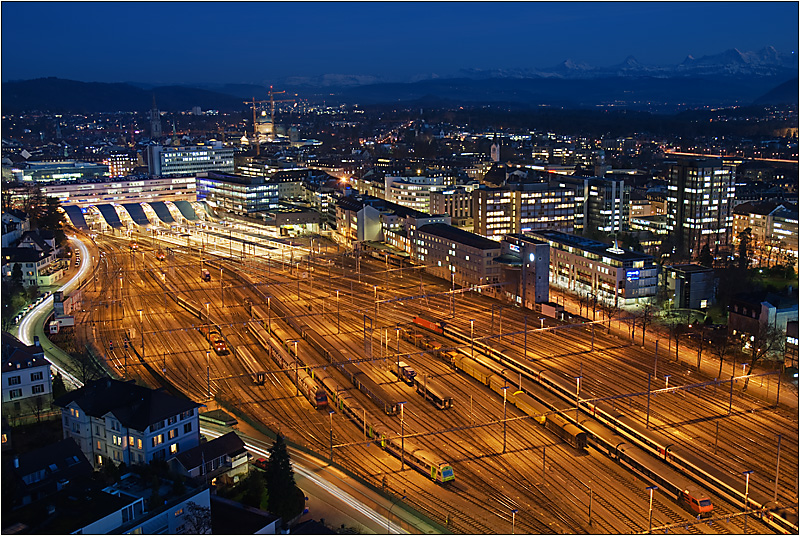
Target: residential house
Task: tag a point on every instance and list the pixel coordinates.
(27, 386)
(116, 421)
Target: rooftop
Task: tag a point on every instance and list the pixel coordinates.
(134, 406)
(460, 236)
(229, 444)
(18, 355)
(589, 245)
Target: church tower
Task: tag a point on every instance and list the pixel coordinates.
(155, 121)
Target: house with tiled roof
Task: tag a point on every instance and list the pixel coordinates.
(27, 387)
(45, 471)
(224, 457)
(36, 253)
(15, 223)
(117, 421)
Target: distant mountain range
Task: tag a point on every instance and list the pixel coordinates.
(726, 79)
(767, 62)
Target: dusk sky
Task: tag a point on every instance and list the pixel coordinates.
(202, 42)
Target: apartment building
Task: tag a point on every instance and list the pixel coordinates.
(115, 421)
(27, 386)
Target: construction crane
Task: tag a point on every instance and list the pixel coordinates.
(253, 104)
(272, 103)
(255, 132)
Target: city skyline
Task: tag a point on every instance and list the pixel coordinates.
(175, 42)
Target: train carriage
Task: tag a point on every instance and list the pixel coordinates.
(566, 430)
(427, 463)
(530, 406)
(473, 368)
(434, 391)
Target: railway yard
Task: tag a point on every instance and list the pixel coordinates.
(551, 426)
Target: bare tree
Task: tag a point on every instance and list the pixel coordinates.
(676, 330)
(37, 407)
(768, 339)
(197, 519)
(610, 310)
(645, 319)
(721, 347)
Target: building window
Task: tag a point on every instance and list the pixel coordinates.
(36, 376)
(139, 443)
(173, 433)
(187, 427)
(14, 380)
(157, 440)
(15, 393)
(38, 389)
(173, 449)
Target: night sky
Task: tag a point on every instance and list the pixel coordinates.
(210, 42)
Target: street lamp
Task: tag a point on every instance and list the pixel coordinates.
(513, 519)
(402, 433)
(330, 418)
(505, 388)
(746, 495)
(472, 337)
(208, 373)
(337, 311)
(269, 314)
(141, 329)
(388, 516)
(651, 489)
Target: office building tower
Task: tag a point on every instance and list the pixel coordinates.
(699, 205)
(525, 207)
(189, 160)
(602, 205)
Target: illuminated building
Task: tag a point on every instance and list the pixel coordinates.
(450, 253)
(120, 162)
(236, 193)
(602, 205)
(773, 228)
(127, 190)
(456, 202)
(189, 160)
(498, 212)
(590, 268)
(62, 171)
(699, 204)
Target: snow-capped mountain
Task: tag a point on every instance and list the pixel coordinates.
(765, 62)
